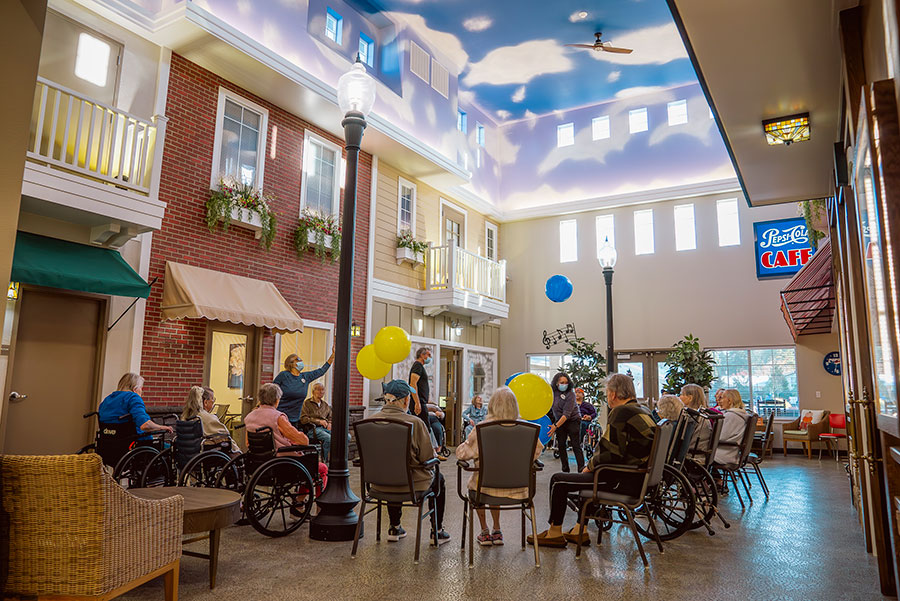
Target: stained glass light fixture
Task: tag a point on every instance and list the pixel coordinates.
(12, 293)
(787, 130)
(355, 330)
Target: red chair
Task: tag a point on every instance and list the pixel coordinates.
(836, 421)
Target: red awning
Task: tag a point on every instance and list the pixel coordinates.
(807, 302)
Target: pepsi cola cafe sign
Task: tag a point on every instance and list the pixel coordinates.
(782, 247)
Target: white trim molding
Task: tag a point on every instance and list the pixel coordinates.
(492, 227)
(434, 302)
(401, 182)
(465, 232)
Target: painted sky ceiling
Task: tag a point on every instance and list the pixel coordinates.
(513, 62)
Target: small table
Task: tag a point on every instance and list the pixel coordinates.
(206, 510)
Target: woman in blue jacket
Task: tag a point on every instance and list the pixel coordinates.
(126, 404)
(294, 384)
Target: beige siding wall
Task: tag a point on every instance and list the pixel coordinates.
(429, 227)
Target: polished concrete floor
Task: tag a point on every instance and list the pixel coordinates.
(804, 543)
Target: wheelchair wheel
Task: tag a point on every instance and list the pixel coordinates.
(671, 506)
(271, 502)
(233, 475)
(705, 492)
(203, 469)
(131, 466)
(159, 471)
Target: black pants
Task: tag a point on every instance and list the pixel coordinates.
(570, 430)
(437, 429)
(395, 510)
(562, 485)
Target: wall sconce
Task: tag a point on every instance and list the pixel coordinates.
(457, 329)
(355, 330)
(787, 130)
(12, 293)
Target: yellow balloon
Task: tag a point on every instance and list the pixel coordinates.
(369, 365)
(392, 344)
(533, 394)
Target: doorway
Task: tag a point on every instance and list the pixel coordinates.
(57, 348)
(450, 397)
(232, 360)
(648, 369)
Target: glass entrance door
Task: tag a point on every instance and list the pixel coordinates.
(648, 369)
(450, 398)
(231, 369)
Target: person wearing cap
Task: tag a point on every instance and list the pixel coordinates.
(396, 404)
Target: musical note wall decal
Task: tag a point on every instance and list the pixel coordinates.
(553, 338)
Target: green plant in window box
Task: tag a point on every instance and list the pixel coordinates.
(587, 367)
(813, 212)
(688, 363)
(235, 197)
(324, 231)
(406, 240)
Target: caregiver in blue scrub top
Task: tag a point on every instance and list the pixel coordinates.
(294, 383)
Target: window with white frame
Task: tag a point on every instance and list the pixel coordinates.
(92, 59)
(334, 25)
(685, 230)
(565, 135)
(240, 140)
(479, 134)
(606, 231)
(406, 209)
(462, 121)
(547, 366)
(320, 188)
(643, 232)
(490, 241)
(766, 378)
(366, 49)
(677, 112)
(637, 120)
(568, 241)
(600, 128)
(729, 222)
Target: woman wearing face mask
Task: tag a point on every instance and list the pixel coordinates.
(294, 384)
(566, 420)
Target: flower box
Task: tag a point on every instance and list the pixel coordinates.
(311, 236)
(408, 255)
(248, 220)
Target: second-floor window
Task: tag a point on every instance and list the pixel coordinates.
(366, 49)
(320, 189)
(452, 231)
(406, 209)
(462, 121)
(241, 135)
(490, 241)
(479, 134)
(334, 25)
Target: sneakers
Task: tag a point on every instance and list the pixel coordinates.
(442, 537)
(395, 533)
(485, 539)
(496, 538)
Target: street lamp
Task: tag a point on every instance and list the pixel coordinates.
(607, 256)
(336, 519)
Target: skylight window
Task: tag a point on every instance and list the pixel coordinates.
(637, 120)
(366, 49)
(643, 232)
(685, 230)
(334, 25)
(462, 121)
(565, 135)
(606, 231)
(729, 222)
(92, 59)
(600, 128)
(678, 112)
(479, 134)
(568, 241)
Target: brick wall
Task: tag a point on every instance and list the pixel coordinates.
(173, 351)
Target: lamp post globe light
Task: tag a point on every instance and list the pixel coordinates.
(336, 519)
(607, 256)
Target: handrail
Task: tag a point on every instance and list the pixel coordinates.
(451, 267)
(79, 134)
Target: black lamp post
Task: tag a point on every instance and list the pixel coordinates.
(607, 256)
(336, 520)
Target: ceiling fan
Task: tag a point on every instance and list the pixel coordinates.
(600, 46)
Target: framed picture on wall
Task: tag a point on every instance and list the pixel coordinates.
(237, 354)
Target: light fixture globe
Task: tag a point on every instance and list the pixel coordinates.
(607, 255)
(356, 90)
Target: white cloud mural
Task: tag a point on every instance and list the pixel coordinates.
(478, 23)
(447, 43)
(519, 94)
(519, 64)
(614, 76)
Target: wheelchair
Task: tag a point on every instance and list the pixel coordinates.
(123, 450)
(191, 460)
(278, 490)
(589, 442)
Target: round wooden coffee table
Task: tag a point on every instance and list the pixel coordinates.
(206, 510)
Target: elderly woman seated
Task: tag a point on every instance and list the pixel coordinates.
(669, 407)
(199, 403)
(694, 397)
(474, 414)
(267, 415)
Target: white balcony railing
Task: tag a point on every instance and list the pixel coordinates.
(453, 268)
(81, 135)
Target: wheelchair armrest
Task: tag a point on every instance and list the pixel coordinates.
(239, 426)
(430, 463)
(298, 447)
(465, 465)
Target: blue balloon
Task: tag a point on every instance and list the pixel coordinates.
(544, 422)
(510, 379)
(558, 288)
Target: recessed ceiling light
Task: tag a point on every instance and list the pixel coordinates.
(582, 14)
(578, 15)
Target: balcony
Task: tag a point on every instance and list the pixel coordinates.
(93, 164)
(461, 281)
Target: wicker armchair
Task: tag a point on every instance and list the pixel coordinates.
(73, 532)
(790, 431)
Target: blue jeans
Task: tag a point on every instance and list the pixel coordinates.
(324, 437)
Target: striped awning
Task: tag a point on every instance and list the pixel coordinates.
(808, 301)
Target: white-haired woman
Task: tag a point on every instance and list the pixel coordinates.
(501, 406)
(198, 399)
(669, 407)
(126, 404)
(694, 397)
(735, 420)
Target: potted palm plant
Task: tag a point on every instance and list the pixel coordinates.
(688, 363)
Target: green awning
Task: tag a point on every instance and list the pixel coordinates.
(57, 263)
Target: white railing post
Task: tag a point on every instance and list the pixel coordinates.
(451, 265)
(155, 164)
(502, 281)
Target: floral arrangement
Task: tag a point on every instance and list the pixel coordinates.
(232, 195)
(406, 240)
(320, 226)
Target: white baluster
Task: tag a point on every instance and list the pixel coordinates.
(51, 144)
(40, 122)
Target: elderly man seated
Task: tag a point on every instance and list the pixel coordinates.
(396, 397)
(628, 440)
